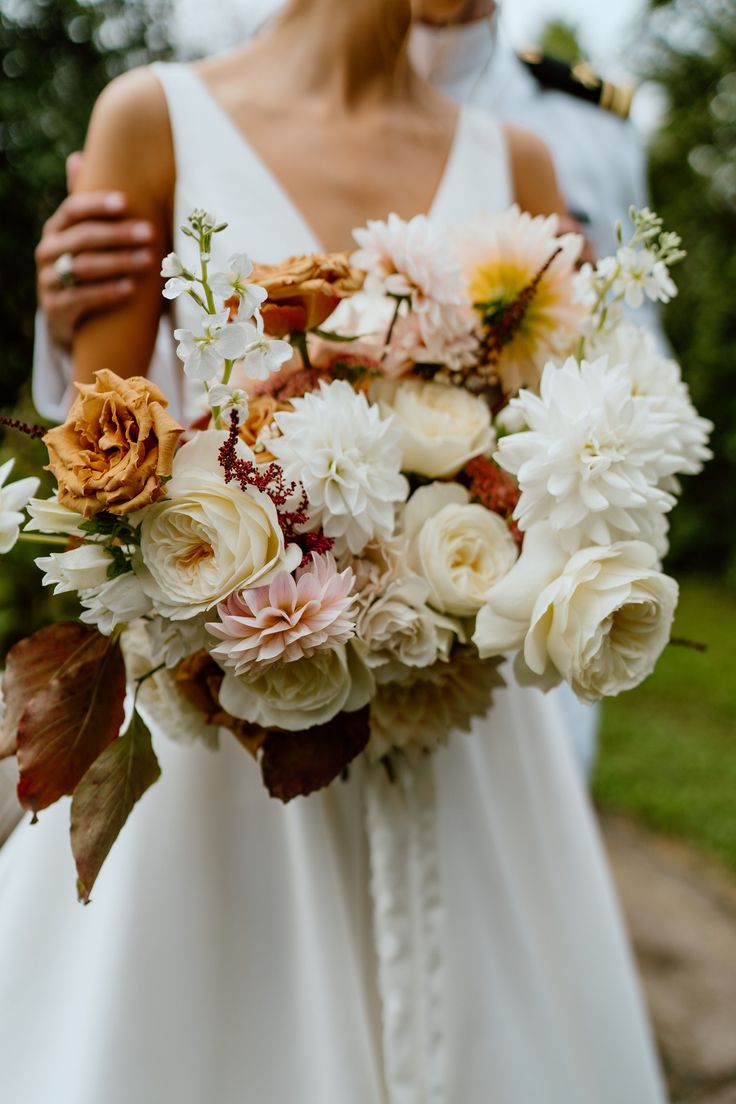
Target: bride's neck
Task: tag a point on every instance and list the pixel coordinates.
(353, 51)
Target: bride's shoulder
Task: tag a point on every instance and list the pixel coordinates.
(532, 172)
(134, 102)
(130, 125)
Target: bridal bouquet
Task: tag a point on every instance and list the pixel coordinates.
(411, 462)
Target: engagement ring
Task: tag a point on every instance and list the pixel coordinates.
(64, 270)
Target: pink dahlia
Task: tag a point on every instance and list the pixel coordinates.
(292, 618)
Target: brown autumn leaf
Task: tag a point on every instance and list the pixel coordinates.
(31, 665)
(105, 797)
(294, 764)
(65, 726)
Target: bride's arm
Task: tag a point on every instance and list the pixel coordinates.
(129, 148)
(533, 174)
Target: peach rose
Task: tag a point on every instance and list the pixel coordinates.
(303, 291)
(261, 412)
(116, 447)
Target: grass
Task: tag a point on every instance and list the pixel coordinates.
(668, 748)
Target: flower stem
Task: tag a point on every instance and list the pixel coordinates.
(43, 538)
(299, 341)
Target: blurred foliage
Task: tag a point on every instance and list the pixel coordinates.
(690, 51)
(667, 748)
(56, 56)
(560, 39)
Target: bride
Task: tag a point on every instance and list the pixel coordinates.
(237, 950)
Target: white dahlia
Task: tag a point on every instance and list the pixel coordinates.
(592, 459)
(657, 380)
(287, 620)
(347, 456)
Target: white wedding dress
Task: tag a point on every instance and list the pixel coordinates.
(234, 952)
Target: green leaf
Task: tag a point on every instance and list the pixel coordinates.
(105, 797)
(339, 338)
(65, 726)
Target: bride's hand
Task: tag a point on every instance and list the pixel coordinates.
(105, 252)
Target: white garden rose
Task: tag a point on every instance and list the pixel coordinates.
(600, 623)
(296, 696)
(442, 427)
(399, 630)
(208, 537)
(460, 548)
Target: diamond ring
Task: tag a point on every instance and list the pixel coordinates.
(64, 270)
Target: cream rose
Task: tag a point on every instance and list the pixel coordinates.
(441, 427)
(460, 548)
(209, 537)
(299, 695)
(600, 623)
(399, 630)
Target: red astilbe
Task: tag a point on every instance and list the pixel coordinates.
(495, 489)
(32, 431)
(269, 479)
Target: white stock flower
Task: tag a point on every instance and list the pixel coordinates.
(348, 459)
(642, 274)
(419, 713)
(299, 695)
(223, 397)
(79, 569)
(412, 259)
(178, 280)
(657, 381)
(442, 427)
(47, 515)
(171, 266)
(13, 499)
(235, 282)
(263, 355)
(598, 619)
(460, 548)
(208, 537)
(204, 351)
(399, 630)
(118, 601)
(592, 459)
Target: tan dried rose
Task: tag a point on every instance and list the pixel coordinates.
(116, 447)
(261, 411)
(303, 291)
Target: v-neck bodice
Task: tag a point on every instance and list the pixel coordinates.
(217, 169)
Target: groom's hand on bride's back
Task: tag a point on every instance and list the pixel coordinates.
(108, 251)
